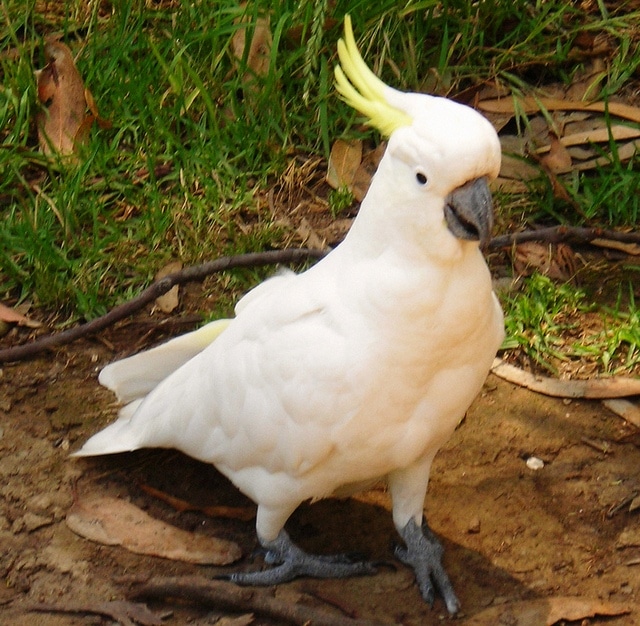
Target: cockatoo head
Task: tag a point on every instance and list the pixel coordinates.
(442, 154)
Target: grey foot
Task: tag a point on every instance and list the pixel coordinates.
(293, 562)
(423, 553)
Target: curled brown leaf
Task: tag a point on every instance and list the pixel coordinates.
(68, 109)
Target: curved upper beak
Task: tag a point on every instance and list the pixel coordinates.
(468, 211)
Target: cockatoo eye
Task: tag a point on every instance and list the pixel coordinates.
(421, 178)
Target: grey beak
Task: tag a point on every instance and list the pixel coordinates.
(468, 211)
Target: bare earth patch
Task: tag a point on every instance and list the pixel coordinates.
(511, 533)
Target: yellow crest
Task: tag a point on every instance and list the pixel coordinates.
(362, 89)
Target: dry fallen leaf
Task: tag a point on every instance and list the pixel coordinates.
(587, 82)
(557, 261)
(601, 134)
(624, 152)
(627, 248)
(592, 44)
(545, 612)
(557, 158)
(365, 172)
(344, 161)
(115, 522)
(62, 124)
(170, 300)
(530, 105)
(259, 52)
(14, 316)
(577, 125)
(69, 109)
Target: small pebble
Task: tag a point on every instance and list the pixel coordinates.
(30, 522)
(534, 463)
(33, 522)
(40, 503)
(474, 526)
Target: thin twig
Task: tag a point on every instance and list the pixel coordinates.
(554, 234)
(592, 388)
(125, 613)
(558, 234)
(228, 596)
(158, 288)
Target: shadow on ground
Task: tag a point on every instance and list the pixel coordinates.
(510, 533)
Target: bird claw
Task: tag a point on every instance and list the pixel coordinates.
(294, 562)
(423, 553)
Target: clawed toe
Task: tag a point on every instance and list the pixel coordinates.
(274, 576)
(292, 562)
(423, 553)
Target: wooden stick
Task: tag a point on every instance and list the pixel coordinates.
(593, 388)
(158, 288)
(228, 596)
(558, 234)
(554, 234)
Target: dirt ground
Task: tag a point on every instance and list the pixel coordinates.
(511, 533)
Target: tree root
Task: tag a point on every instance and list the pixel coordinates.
(227, 596)
(561, 234)
(158, 288)
(554, 234)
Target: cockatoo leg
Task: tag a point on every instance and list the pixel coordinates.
(423, 553)
(293, 562)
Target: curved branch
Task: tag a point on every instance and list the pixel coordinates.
(553, 234)
(227, 596)
(558, 234)
(158, 288)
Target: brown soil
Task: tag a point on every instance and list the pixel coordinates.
(511, 533)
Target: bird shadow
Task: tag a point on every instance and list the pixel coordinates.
(360, 526)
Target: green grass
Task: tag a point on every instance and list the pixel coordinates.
(339, 200)
(607, 196)
(193, 147)
(560, 329)
(610, 195)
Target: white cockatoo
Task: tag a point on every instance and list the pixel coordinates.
(359, 368)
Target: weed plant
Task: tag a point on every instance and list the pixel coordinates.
(560, 329)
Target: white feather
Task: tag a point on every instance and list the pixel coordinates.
(357, 369)
(136, 376)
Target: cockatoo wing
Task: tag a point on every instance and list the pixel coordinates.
(134, 377)
(263, 402)
(264, 289)
(302, 393)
